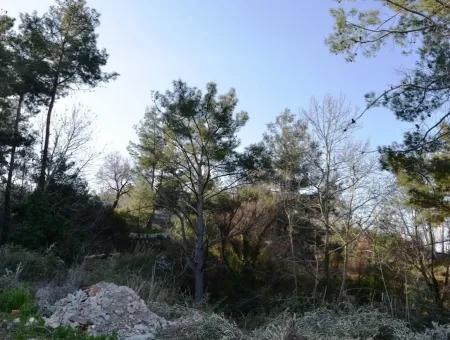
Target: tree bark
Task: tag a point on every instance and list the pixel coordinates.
(435, 284)
(292, 248)
(199, 252)
(44, 161)
(116, 201)
(223, 246)
(326, 261)
(7, 200)
(344, 270)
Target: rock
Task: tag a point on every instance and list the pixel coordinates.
(141, 337)
(106, 308)
(31, 321)
(46, 296)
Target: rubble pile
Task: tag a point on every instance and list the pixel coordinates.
(106, 308)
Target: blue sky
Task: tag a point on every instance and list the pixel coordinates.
(272, 52)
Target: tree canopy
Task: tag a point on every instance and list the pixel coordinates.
(419, 27)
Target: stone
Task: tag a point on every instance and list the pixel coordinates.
(31, 321)
(149, 336)
(47, 295)
(106, 308)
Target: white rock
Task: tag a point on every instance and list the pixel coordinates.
(149, 336)
(31, 321)
(106, 308)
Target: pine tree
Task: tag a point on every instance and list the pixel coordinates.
(66, 39)
(200, 159)
(418, 26)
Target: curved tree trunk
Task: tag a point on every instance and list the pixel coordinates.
(116, 201)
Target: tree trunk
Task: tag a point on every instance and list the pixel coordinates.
(344, 270)
(291, 244)
(7, 199)
(223, 246)
(326, 212)
(44, 161)
(116, 201)
(199, 252)
(435, 284)
(316, 267)
(326, 261)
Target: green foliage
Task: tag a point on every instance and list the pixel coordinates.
(19, 299)
(253, 243)
(65, 38)
(290, 148)
(199, 141)
(62, 217)
(42, 226)
(6, 24)
(19, 303)
(137, 207)
(26, 330)
(202, 327)
(31, 266)
(65, 41)
(199, 130)
(420, 27)
(148, 273)
(426, 178)
(362, 323)
(149, 152)
(39, 332)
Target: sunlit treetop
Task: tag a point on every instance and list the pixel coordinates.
(420, 27)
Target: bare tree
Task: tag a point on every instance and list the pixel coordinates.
(71, 149)
(365, 188)
(423, 248)
(344, 196)
(115, 176)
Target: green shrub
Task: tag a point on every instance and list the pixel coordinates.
(10, 278)
(202, 327)
(19, 299)
(142, 262)
(39, 332)
(34, 266)
(31, 325)
(40, 224)
(71, 220)
(71, 334)
(141, 272)
(361, 323)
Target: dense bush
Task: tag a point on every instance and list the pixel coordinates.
(361, 323)
(17, 299)
(71, 220)
(202, 327)
(29, 265)
(39, 332)
(149, 275)
(19, 311)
